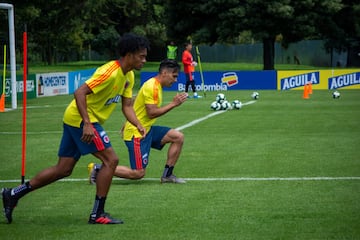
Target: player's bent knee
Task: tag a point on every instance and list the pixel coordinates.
(174, 136)
(138, 174)
(180, 137)
(113, 162)
(110, 162)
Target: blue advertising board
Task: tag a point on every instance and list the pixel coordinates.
(224, 81)
(79, 77)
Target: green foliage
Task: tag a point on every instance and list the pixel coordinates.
(293, 20)
(342, 30)
(62, 30)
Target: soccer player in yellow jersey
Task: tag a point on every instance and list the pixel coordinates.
(83, 133)
(148, 108)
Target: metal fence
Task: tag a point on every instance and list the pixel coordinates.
(311, 52)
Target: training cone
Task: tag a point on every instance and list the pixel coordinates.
(2, 103)
(306, 92)
(310, 87)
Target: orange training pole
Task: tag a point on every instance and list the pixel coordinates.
(23, 160)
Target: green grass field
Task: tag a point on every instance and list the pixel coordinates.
(153, 66)
(281, 168)
(35, 68)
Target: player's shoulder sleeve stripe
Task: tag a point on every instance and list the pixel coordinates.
(102, 77)
(156, 90)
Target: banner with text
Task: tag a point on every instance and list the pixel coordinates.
(223, 81)
(51, 84)
(320, 79)
(30, 87)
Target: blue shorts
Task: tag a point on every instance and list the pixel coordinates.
(139, 148)
(72, 146)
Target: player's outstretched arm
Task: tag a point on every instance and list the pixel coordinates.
(153, 111)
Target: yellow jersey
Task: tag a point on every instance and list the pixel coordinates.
(107, 84)
(149, 93)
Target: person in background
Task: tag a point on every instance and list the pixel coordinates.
(189, 68)
(172, 50)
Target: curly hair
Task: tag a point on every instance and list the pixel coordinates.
(131, 43)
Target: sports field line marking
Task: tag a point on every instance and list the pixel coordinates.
(192, 123)
(35, 106)
(196, 121)
(45, 106)
(234, 179)
(249, 102)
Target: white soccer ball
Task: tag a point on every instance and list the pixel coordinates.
(225, 105)
(236, 104)
(220, 98)
(215, 106)
(336, 94)
(255, 95)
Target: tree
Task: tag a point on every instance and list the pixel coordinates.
(60, 30)
(55, 28)
(144, 17)
(213, 21)
(342, 31)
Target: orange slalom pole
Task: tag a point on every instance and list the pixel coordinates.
(306, 92)
(23, 159)
(310, 87)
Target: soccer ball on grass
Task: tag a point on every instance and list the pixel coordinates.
(215, 106)
(220, 98)
(255, 95)
(336, 94)
(225, 105)
(236, 104)
(221, 103)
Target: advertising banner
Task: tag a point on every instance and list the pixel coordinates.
(343, 79)
(320, 79)
(224, 81)
(51, 84)
(30, 87)
(288, 80)
(76, 79)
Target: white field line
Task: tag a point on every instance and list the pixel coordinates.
(249, 102)
(44, 106)
(196, 121)
(220, 179)
(35, 106)
(190, 124)
(31, 133)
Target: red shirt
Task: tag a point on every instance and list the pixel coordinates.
(187, 60)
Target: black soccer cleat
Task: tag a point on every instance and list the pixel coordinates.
(9, 203)
(104, 218)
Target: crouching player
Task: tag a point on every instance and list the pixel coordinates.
(148, 108)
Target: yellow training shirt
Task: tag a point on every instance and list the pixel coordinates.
(108, 84)
(149, 93)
